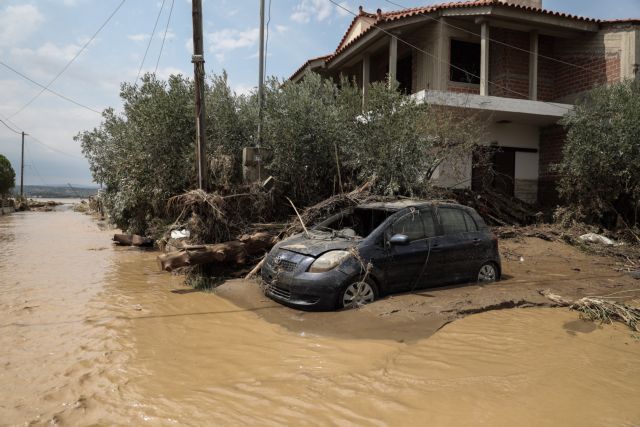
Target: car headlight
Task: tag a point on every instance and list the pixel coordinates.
(328, 261)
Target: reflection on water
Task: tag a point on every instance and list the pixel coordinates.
(90, 333)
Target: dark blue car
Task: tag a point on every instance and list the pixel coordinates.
(376, 249)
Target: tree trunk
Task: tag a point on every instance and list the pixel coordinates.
(234, 252)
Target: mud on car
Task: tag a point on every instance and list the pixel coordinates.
(375, 249)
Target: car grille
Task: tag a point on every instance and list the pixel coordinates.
(286, 265)
(280, 292)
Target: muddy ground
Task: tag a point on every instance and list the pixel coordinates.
(530, 265)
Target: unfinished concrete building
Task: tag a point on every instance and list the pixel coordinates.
(516, 63)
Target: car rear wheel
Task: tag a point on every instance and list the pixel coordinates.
(488, 273)
(358, 294)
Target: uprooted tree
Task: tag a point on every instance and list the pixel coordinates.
(600, 170)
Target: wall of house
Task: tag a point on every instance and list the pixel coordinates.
(509, 67)
(599, 55)
(458, 173)
(552, 140)
(526, 172)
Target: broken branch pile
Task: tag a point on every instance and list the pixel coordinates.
(600, 309)
(497, 208)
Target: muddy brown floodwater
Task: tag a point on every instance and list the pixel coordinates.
(94, 334)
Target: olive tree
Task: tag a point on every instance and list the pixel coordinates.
(400, 142)
(7, 176)
(600, 172)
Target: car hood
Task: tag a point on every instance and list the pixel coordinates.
(315, 247)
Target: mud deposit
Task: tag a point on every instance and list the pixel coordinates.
(92, 334)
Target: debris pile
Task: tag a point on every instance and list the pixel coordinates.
(603, 309)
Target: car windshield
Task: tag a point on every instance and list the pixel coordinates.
(354, 223)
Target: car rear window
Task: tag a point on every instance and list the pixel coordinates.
(453, 221)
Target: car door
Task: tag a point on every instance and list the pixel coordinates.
(405, 262)
(452, 248)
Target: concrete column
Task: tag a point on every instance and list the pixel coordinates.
(484, 60)
(393, 59)
(366, 74)
(533, 65)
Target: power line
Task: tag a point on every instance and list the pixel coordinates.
(550, 58)
(442, 60)
(166, 28)
(55, 149)
(150, 40)
(47, 89)
(9, 127)
(33, 166)
(40, 142)
(70, 62)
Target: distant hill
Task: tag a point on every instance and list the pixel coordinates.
(56, 192)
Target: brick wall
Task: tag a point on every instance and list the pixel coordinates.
(463, 89)
(556, 80)
(598, 69)
(551, 144)
(509, 67)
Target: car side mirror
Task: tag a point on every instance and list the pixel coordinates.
(399, 240)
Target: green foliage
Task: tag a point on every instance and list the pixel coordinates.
(401, 142)
(145, 155)
(600, 169)
(7, 176)
(305, 123)
(314, 130)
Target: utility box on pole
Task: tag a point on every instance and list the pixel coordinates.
(253, 162)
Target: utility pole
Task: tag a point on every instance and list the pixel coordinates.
(198, 71)
(22, 168)
(261, 75)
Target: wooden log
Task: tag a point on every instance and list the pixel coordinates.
(132, 240)
(234, 252)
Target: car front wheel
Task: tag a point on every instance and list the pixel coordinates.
(488, 273)
(357, 294)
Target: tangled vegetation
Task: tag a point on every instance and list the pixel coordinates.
(315, 132)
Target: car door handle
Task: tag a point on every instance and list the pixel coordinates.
(435, 248)
(476, 242)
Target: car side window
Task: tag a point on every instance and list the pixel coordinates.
(429, 224)
(452, 221)
(410, 225)
(471, 224)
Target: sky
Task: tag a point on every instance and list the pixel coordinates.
(39, 37)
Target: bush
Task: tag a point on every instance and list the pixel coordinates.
(600, 172)
(7, 176)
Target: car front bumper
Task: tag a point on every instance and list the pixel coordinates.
(297, 288)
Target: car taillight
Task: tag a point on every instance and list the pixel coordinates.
(494, 239)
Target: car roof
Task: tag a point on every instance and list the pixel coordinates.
(397, 205)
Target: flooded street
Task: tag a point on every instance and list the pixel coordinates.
(96, 334)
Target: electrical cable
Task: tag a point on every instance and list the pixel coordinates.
(9, 127)
(33, 165)
(566, 109)
(47, 89)
(71, 61)
(153, 32)
(40, 142)
(164, 36)
(55, 149)
(494, 40)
